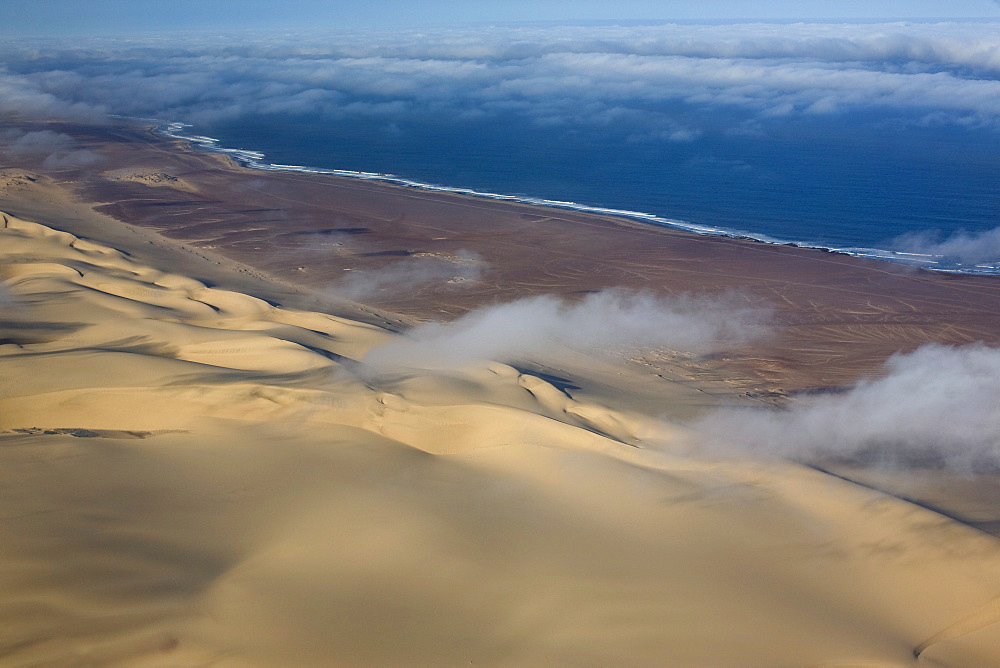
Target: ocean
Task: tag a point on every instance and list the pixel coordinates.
(853, 185)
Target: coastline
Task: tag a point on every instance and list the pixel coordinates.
(838, 317)
(255, 160)
(194, 457)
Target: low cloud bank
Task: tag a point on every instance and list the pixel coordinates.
(607, 322)
(935, 406)
(959, 248)
(408, 275)
(575, 75)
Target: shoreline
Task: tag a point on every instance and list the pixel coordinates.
(252, 159)
(837, 317)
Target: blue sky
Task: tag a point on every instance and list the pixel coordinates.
(60, 17)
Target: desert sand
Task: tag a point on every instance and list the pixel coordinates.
(201, 467)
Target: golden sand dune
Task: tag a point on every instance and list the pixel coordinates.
(193, 476)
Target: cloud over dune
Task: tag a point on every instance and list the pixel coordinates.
(936, 405)
(568, 74)
(607, 322)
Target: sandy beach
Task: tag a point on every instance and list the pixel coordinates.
(233, 435)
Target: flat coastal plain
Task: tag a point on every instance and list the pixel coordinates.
(198, 466)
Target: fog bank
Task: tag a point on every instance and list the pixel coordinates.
(938, 405)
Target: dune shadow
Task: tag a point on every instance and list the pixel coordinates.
(561, 384)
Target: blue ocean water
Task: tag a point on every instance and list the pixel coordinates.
(849, 184)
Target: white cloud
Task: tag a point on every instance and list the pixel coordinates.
(57, 150)
(409, 275)
(24, 95)
(936, 405)
(38, 143)
(961, 248)
(607, 322)
(574, 73)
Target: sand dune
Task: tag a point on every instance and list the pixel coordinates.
(193, 476)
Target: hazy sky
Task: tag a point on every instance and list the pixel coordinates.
(59, 17)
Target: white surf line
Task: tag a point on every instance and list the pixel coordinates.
(255, 160)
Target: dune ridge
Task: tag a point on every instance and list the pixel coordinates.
(195, 476)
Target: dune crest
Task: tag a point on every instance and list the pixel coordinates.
(194, 476)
